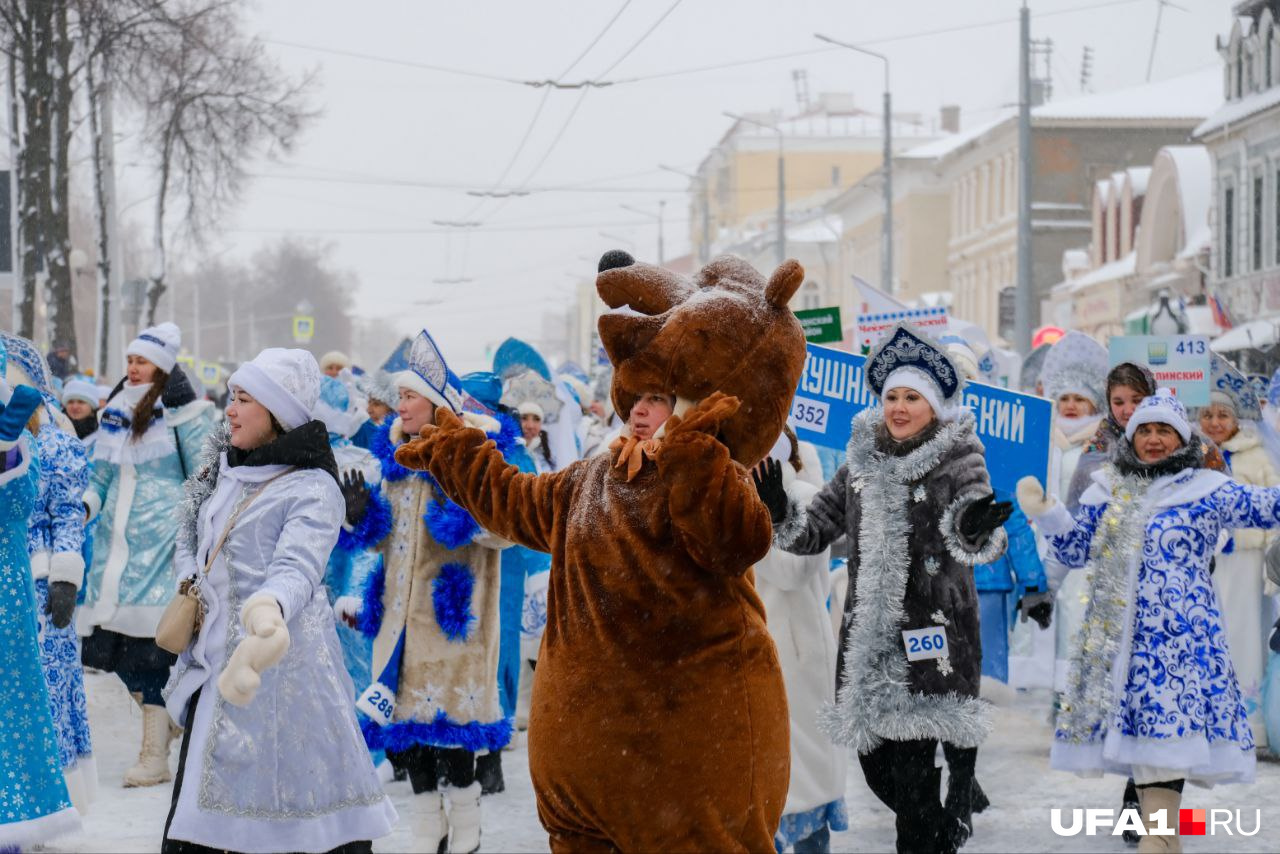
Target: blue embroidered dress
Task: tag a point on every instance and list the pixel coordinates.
(1151, 681)
(34, 804)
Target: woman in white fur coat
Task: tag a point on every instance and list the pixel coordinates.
(795, 590)
(1231, 420)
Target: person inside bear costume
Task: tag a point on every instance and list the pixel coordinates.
(659, 713)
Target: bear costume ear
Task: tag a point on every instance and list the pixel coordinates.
(784, 283)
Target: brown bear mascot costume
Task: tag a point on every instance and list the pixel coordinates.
(659, 717)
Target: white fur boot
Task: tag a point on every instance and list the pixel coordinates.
(464, 819)
(152, 768)
(431, 825)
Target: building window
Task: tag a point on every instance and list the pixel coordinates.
(1228, 232)
(1268, 70)
(1275, 216)
(1257, 223)
(1239, 73)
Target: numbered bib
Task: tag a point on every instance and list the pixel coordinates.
(923, 644)
(377, 702)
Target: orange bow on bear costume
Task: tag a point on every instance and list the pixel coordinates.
(659, 716)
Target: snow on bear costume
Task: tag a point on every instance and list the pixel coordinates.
(659, 713)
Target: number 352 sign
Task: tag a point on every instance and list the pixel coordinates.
(1013, 427)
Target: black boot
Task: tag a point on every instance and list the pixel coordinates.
(920, 816)
(1131, 802)
(961, 786)
(489, 772)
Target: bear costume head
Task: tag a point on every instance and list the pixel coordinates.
(726, 330)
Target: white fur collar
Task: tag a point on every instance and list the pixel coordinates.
(1167, 490)
(1245, 439)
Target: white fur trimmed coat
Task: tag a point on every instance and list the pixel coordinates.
(794, 590)
(909, 568)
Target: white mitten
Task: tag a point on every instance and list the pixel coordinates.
(265, 642)
(1032, 498)
(347, 609)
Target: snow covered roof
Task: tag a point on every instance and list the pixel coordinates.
(1189, 97)
(1232, 112)
(1109, 272)
(819, 230)
(953, 142)
(1138, 178)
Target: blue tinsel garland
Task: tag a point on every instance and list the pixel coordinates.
(443, 731)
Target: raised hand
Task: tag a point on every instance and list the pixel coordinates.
(416, 454)
(706, 417)
(356, 494)
(983, 516)
(767, 476)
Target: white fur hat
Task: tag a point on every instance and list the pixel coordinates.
(159, 345)
(531, 408)
(1076, 364)
(285, 381)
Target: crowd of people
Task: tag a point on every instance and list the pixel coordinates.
(691, 612)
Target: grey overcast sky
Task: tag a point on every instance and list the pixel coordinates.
(395, 142)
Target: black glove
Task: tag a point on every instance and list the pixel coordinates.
(768, 479)
(61, 603)
(356, 493)
(177, 390)
(1275, 638)
(983, 516)
(1036, 605)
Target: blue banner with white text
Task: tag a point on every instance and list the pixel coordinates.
(1014, 427)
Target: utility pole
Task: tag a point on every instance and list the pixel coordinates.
(662, 255)
(1024, 295)
(886, 230)
(195, 306)
(109, 286)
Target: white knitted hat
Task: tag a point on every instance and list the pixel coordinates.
(159, 345)
(285, 381)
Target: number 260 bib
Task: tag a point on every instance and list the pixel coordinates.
(923, 644)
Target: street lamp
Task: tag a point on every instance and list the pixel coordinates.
(886, 255)
(704, 246)
(782, 183)
(662, 203)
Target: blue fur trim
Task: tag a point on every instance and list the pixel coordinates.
(385, 450)
(450, 525)
(372, 529)
(441, 732)
(508, 435)
(451, 595)
(370, 619)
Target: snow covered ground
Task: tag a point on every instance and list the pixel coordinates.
(1013, 768)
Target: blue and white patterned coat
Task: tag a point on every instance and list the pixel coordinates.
(1151, 681)
(55, 539)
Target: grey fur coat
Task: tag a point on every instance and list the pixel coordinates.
(909, 568)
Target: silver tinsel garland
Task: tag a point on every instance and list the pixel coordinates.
(1088, 700)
